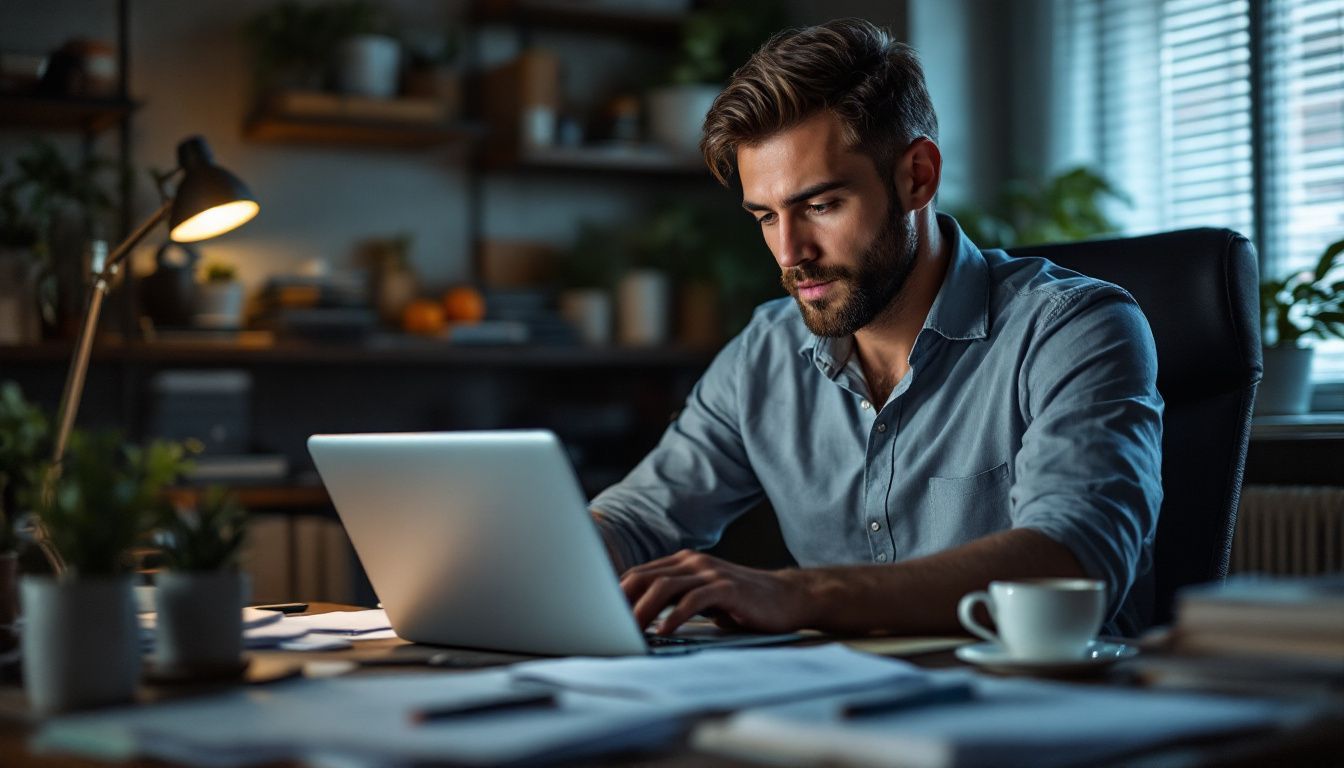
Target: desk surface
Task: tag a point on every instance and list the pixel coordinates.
(1319, 744)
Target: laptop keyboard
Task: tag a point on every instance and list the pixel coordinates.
(664, 641)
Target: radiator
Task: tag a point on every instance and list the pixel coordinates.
(1289, 530)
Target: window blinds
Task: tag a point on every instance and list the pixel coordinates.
(1160, 97)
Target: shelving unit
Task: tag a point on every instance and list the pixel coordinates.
(85, 116)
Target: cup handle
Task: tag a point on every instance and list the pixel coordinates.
(964, 612)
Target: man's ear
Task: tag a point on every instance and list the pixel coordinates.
(918, 172)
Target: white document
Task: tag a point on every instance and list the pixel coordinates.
(343, 622)
(1009, 723)
(722, 679)
(359, 720)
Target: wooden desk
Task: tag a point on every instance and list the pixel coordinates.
(1317, 744)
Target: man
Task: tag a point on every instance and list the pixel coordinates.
(930, 417)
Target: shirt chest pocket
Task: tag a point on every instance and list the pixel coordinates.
(961, 509)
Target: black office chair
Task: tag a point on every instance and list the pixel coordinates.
(1199, 290)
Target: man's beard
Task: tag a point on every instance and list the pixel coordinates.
(866, 289)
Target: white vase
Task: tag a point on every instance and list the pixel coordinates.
(677, 115)
(369, 65)
(644, 308)
(219, 305)
(199, 625)
(589, 311)
(81, 643)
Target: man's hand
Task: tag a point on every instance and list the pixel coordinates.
(733, 595)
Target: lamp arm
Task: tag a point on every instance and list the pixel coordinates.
(79, 364)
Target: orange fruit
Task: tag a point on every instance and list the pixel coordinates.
(463, 304)
(423, 316)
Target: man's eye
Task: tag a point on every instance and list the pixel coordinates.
(820, 207)
(768, 218)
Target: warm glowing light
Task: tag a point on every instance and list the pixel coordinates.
(214, 221)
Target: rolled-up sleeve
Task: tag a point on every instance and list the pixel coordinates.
(695, 482)
(1088, 474)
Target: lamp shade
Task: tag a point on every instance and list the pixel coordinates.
(209, 201)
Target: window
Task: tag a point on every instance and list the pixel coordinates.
(1162, 97)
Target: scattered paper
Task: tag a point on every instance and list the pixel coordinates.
(343, 622)
(722, 679)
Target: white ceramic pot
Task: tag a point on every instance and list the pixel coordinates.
(1286, 387)
(677, 115)
(644, 306)
(219, 305)
(589, 311)
(81, 643)
(199, 625)
(369, 65)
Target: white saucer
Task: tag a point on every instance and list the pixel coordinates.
(993, 657)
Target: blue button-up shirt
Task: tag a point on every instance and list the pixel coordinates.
(1030, 402)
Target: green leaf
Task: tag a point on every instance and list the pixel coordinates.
(1328, 259)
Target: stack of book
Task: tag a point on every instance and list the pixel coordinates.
(1257, 633)
(1249, 616)
(315, 308)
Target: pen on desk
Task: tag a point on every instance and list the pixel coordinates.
(524, 700)
(922, 696)
(283, 607)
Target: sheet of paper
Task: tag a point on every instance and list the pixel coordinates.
(1009, 723)
(722, 679)
(360, 719)
(342, 622)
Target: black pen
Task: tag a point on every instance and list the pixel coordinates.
(511, 701)
(924, 695)
(283, 607)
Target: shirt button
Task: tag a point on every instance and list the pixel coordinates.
(881, 427)
(876, 526)
(881, 557)
(865, 405)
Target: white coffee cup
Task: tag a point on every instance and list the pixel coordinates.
(1039, 619)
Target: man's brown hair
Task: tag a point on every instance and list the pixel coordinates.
(872, 83)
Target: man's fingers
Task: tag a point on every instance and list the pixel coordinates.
(663, 591)
(698, 600)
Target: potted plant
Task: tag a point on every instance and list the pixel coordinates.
(219, 298)
(18, 263)
(81, 638)
(24, 444)
(587, 273)
(368, 57)
(714, 41)
(54, 209)
(1299, 307)
(199, 596)
(1062, 208)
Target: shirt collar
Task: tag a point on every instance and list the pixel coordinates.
(960, 311)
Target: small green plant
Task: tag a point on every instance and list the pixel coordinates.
(1060, 209)
(106, 499)
(293, 43)
(717, 39)
(1305, 304)
(43, 184)
(220, 272)
(25, 442)
(208, 538)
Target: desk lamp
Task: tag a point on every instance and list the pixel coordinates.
(209, 201)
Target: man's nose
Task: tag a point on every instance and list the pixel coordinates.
(795, 244)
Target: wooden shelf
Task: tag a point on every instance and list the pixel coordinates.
(54, 114)
(387, 350)
(289, 129)
(638, 159)
(651, 26)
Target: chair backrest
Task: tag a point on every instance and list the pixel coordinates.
(1199, 289)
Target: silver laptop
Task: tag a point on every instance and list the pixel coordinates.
(483, 540)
